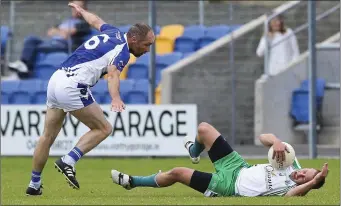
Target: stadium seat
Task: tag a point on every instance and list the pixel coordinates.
(98, 91)
(164, 45)
(40, 96)
(126, 86)
(213, 33)
(45, 68)
(139, 70)
(158, 94)
(187, 54)
(5, 35)
(25, 92)
(139, 95)
(172, 31)
(188, 41)
(300, 102)
(217, 31)
(7, 89)
(165, 60)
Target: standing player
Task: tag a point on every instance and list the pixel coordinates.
(233, 176)
(68, 91)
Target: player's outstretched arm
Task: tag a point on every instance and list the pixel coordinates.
(114, 88)
(94, 20)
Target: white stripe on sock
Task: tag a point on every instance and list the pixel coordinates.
(76, 152)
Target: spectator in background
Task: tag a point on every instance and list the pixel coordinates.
(75, 28)
(283, 46)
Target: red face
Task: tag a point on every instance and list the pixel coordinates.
(303, 175)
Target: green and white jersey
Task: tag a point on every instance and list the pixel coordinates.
(264, 180)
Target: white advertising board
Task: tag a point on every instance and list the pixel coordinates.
(141, 130)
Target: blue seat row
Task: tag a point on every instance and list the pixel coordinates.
(197, 36)
(34, 92)
(300, 101)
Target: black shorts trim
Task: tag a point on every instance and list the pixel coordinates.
(200, 181)
(219, 149)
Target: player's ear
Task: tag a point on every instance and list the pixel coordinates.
(134, 39)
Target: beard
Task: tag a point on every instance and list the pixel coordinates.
(134, 53)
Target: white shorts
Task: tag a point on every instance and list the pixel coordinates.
(65, 94)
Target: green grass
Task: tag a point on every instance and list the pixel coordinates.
(97, 188)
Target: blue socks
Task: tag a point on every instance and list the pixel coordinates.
(73, 156)
(35, 179)
(144, 181)
(196, 148)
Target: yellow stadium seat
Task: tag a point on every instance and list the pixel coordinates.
(158, 94)
(172, 31)
(164, 45)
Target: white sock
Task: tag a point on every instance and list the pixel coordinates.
(69, 160)
(35, 185)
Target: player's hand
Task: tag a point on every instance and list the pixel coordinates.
(323, 174)
(117, 105)
(76, 7)
(279, 149)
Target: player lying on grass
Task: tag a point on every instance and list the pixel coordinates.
(233, 176)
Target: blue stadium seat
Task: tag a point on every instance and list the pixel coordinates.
(139, 69)
(126, 86)
(40, 96)
(300, 101)
(189, 39)
(213, 33)
(165, 60)
(299, 106)
(99, 90)
(320, 85)
(187, 54)
(26, 91)
(139, 95)
(7, 89)
(45, 68)
(5, 34)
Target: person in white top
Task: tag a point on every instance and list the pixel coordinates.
(233, 176)
(283, 46)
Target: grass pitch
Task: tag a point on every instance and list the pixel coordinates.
(93, 175)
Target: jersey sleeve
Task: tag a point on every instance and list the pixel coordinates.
(121, 60)
(105, 27)
(296, 164)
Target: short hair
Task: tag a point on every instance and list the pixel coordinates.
(140, 30)
(319, 184)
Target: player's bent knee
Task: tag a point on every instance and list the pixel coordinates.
(176, 172)
(204, 128)
(107, 129)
